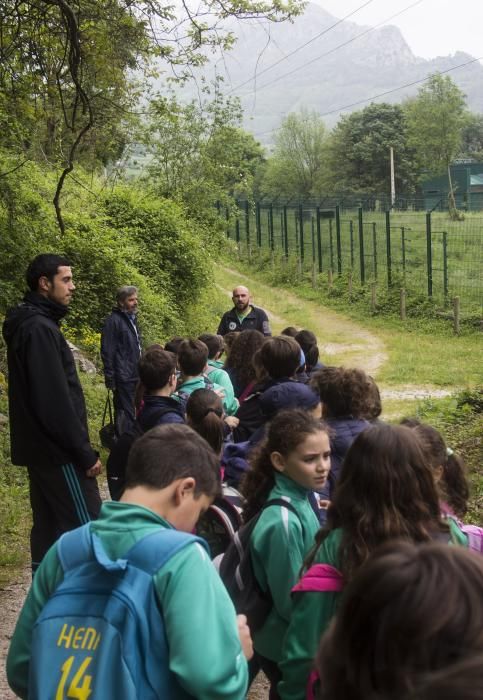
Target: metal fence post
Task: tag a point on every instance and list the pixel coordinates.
(247, 225)
(338, 243)
(331, 245)
(374, 247)
(429, 254)
(270, 226)
(227, 216)
(285, 226)
(351, 234)
(258, 224)
(319, 240)
(301, 233)
(388, 248)
(445, 265)
(361, 246)
(403, 249)
(237, 230)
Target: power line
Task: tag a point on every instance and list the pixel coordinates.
(302, 46)
(382, 94)
(336, 48)
(401, 87)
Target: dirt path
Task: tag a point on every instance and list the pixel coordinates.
(341, 340)
(11, 599)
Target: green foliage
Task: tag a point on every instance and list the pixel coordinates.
(472, 138)
(436, 118)
(358, 153)
(199, 153)
(125, 237)
(297, 164)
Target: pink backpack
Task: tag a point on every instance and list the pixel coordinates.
(319, 578)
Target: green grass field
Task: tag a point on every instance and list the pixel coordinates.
(456, 248)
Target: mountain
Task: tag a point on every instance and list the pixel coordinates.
(337, 70)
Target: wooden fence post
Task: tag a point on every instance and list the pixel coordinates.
(403, 303)
(456, 312)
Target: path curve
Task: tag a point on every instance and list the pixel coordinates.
(364, 349)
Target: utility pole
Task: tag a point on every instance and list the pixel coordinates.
(393, 180)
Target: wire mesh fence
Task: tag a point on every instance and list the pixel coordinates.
(425, 252)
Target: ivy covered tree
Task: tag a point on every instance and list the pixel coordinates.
(66, 67)
(358, 153)
(436, 119)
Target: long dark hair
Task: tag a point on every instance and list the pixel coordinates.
(204, 413)
(410, 626)
(285, 433)
(385, 491)
(453, 485)
(308, 343)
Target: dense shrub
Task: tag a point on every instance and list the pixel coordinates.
(124, 237)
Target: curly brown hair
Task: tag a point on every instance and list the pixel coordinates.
(241, 355)
(344, 391)
(285, 433)
(385, 491)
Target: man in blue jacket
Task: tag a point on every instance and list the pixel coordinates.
(120, 352)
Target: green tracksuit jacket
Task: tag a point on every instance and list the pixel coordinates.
(278, 546)
(204, 648)
(311, 614)
(230, 403)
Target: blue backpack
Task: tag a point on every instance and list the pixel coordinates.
(100, 635)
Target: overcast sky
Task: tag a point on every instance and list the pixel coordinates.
(431, 28)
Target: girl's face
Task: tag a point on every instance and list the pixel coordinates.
(309, 463)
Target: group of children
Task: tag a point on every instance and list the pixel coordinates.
(340, 505)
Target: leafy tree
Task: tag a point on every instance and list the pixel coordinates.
(65, 66)
(472, 138)
(436, 118)
(199, 153)
(358, 153)
(297, 164)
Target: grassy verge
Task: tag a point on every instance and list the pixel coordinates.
(421, 350)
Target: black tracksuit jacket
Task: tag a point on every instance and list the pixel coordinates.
(48, 421)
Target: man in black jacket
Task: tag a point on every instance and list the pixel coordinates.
(120, 352)
(244, 316)
(48, 421)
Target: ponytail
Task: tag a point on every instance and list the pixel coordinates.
(204, 413)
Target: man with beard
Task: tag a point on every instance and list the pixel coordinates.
(244, 315)
(120, 352)
(48, 421)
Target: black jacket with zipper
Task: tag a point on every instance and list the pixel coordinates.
(120, 349)
(48, 420)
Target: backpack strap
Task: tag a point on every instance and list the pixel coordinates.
(321, 578)
(153, 551)
(148, 554)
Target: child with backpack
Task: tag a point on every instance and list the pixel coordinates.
(193, 362)
(214, 368)
(204, 413)
(130, 606)
(157, 376)
(449, 474)
(385, 491)
(287, 466)
(409, 626)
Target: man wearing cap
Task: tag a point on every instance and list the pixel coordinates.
(244, 315)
